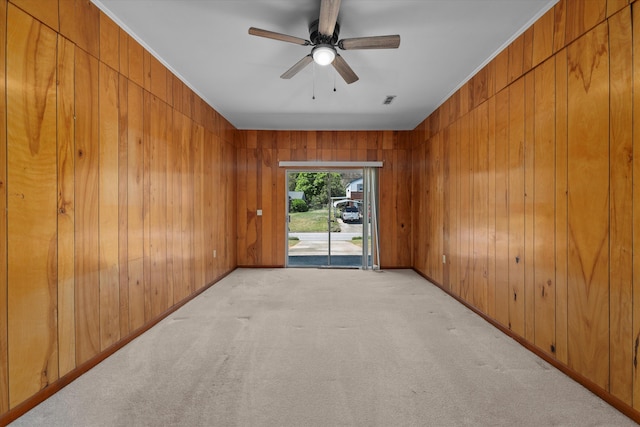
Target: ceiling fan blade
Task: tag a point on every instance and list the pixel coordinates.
(297, 67)
(277, 36)
(344, 70)
(328, 16)
(375, 42)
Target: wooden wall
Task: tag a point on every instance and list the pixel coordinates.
(262, 185)
(117, 183)
(523, 180)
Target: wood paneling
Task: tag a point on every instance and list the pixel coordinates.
(261, 185)
(109, 42)
(543, 196)
(123, 210)
(636, 204)
(543, 37)
(561, 200)
(44, 11)
(529, 291)
(582, 16)
(87, 151)
(4, 363)
(80, 23)
(621, 205)
(480, 203)
(32, 205)
(516, 206)
(108, 187)
(157, 212)
(87, 234)
(66, 206)
(503, 293)
(135, 205)
(560, 169)
(588, 214)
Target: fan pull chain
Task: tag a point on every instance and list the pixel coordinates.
(314, 81)
(334, 80)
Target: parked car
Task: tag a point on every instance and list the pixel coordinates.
(351, 214)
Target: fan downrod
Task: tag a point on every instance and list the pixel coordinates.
(317, 38)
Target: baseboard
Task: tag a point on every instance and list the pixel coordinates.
(24, 407)
(621, 406)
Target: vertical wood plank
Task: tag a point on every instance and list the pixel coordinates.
(174, 205)
(44, 11)
(588, 210)
(480, 197)
(561, 200)
(613, 6)
(108, 207)
(136, 63)
(516, 206)
(147, 99)
(66, 206)
(516, 59)
(544, 208)
(529, 267)
(559, 25)
(446, 202)
(453, 259)
(188, 183)
(491, 209)
(464, 272)
(4, 363)
(502, 207)
(198, 213)
(635, 14)
(502, 70)
(543, 37)
(158, 206)
(123, 54)
(80, 22)
(621, 205)
(135, 205)
(86, 191)
(158, 79)
(31, 204)
(582, 16)
(123, 213)
(109, 42)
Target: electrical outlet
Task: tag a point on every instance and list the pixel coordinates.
(259, 212)
(215, 253)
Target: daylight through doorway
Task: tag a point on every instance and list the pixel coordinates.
(325, 218)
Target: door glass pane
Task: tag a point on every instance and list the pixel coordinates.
(325, 227)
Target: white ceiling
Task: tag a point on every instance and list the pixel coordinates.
(206, 44)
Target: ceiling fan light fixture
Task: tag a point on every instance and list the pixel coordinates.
(323, 54)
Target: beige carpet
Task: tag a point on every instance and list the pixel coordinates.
(308, 347)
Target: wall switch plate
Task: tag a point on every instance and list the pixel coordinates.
(259, 212)
(444, 259)
(215, 254)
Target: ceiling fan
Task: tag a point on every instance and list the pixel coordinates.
(323, 35)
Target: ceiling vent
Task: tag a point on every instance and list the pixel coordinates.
(388, 100)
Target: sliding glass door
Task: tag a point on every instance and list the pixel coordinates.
(325, 218)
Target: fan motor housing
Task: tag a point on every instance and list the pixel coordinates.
(317, 38)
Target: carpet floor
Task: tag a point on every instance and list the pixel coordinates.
(307, 347)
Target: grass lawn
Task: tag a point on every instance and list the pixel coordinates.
(312, 221)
